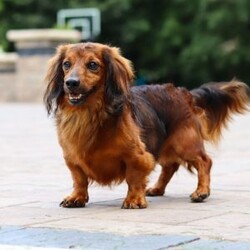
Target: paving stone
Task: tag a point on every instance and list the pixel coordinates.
(72, 239)
(34, 179)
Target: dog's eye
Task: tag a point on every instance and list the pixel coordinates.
(92, 66)
(66, 65)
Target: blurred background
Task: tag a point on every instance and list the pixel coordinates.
(180, 41)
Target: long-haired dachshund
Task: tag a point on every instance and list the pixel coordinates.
(111, 132)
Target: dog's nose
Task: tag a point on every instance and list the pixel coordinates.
(72, 83)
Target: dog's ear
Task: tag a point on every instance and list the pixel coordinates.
(119, 75)
(54, 79)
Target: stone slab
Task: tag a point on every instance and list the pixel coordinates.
(34, 179)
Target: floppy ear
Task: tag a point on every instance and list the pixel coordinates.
(54, 78)
(119, 75)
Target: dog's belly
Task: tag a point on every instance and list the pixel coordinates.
(104, 169)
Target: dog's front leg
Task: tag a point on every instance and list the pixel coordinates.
(137, 170)
(79, 197)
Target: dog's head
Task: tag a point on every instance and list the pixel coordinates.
(81, 72)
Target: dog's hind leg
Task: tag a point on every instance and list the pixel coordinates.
(167, 172)
(203, 165)
(186, 147)
(195, 156)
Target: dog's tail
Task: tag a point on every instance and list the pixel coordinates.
(219, 101)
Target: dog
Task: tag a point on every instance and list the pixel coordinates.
(110, 131)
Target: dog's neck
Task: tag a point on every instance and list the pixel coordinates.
(80, 125)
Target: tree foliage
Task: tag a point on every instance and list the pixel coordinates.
(185, 42)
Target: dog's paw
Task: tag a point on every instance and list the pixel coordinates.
(134, 203)
(72, 204)
(199, 196)
(74, 201)
(154, 192)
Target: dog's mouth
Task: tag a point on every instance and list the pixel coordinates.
(79, 98)
(76, 99)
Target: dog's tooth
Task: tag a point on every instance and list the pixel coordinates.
(75, 97)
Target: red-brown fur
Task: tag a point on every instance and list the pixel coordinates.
(111, 132)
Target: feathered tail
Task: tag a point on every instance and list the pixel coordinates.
(220, 101)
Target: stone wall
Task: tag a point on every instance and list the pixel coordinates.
(30, 75)
(8, 76)
(8, 87)
(22, 74)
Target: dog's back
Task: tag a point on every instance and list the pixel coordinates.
(159, 110)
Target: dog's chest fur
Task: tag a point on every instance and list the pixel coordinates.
(83, 138)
